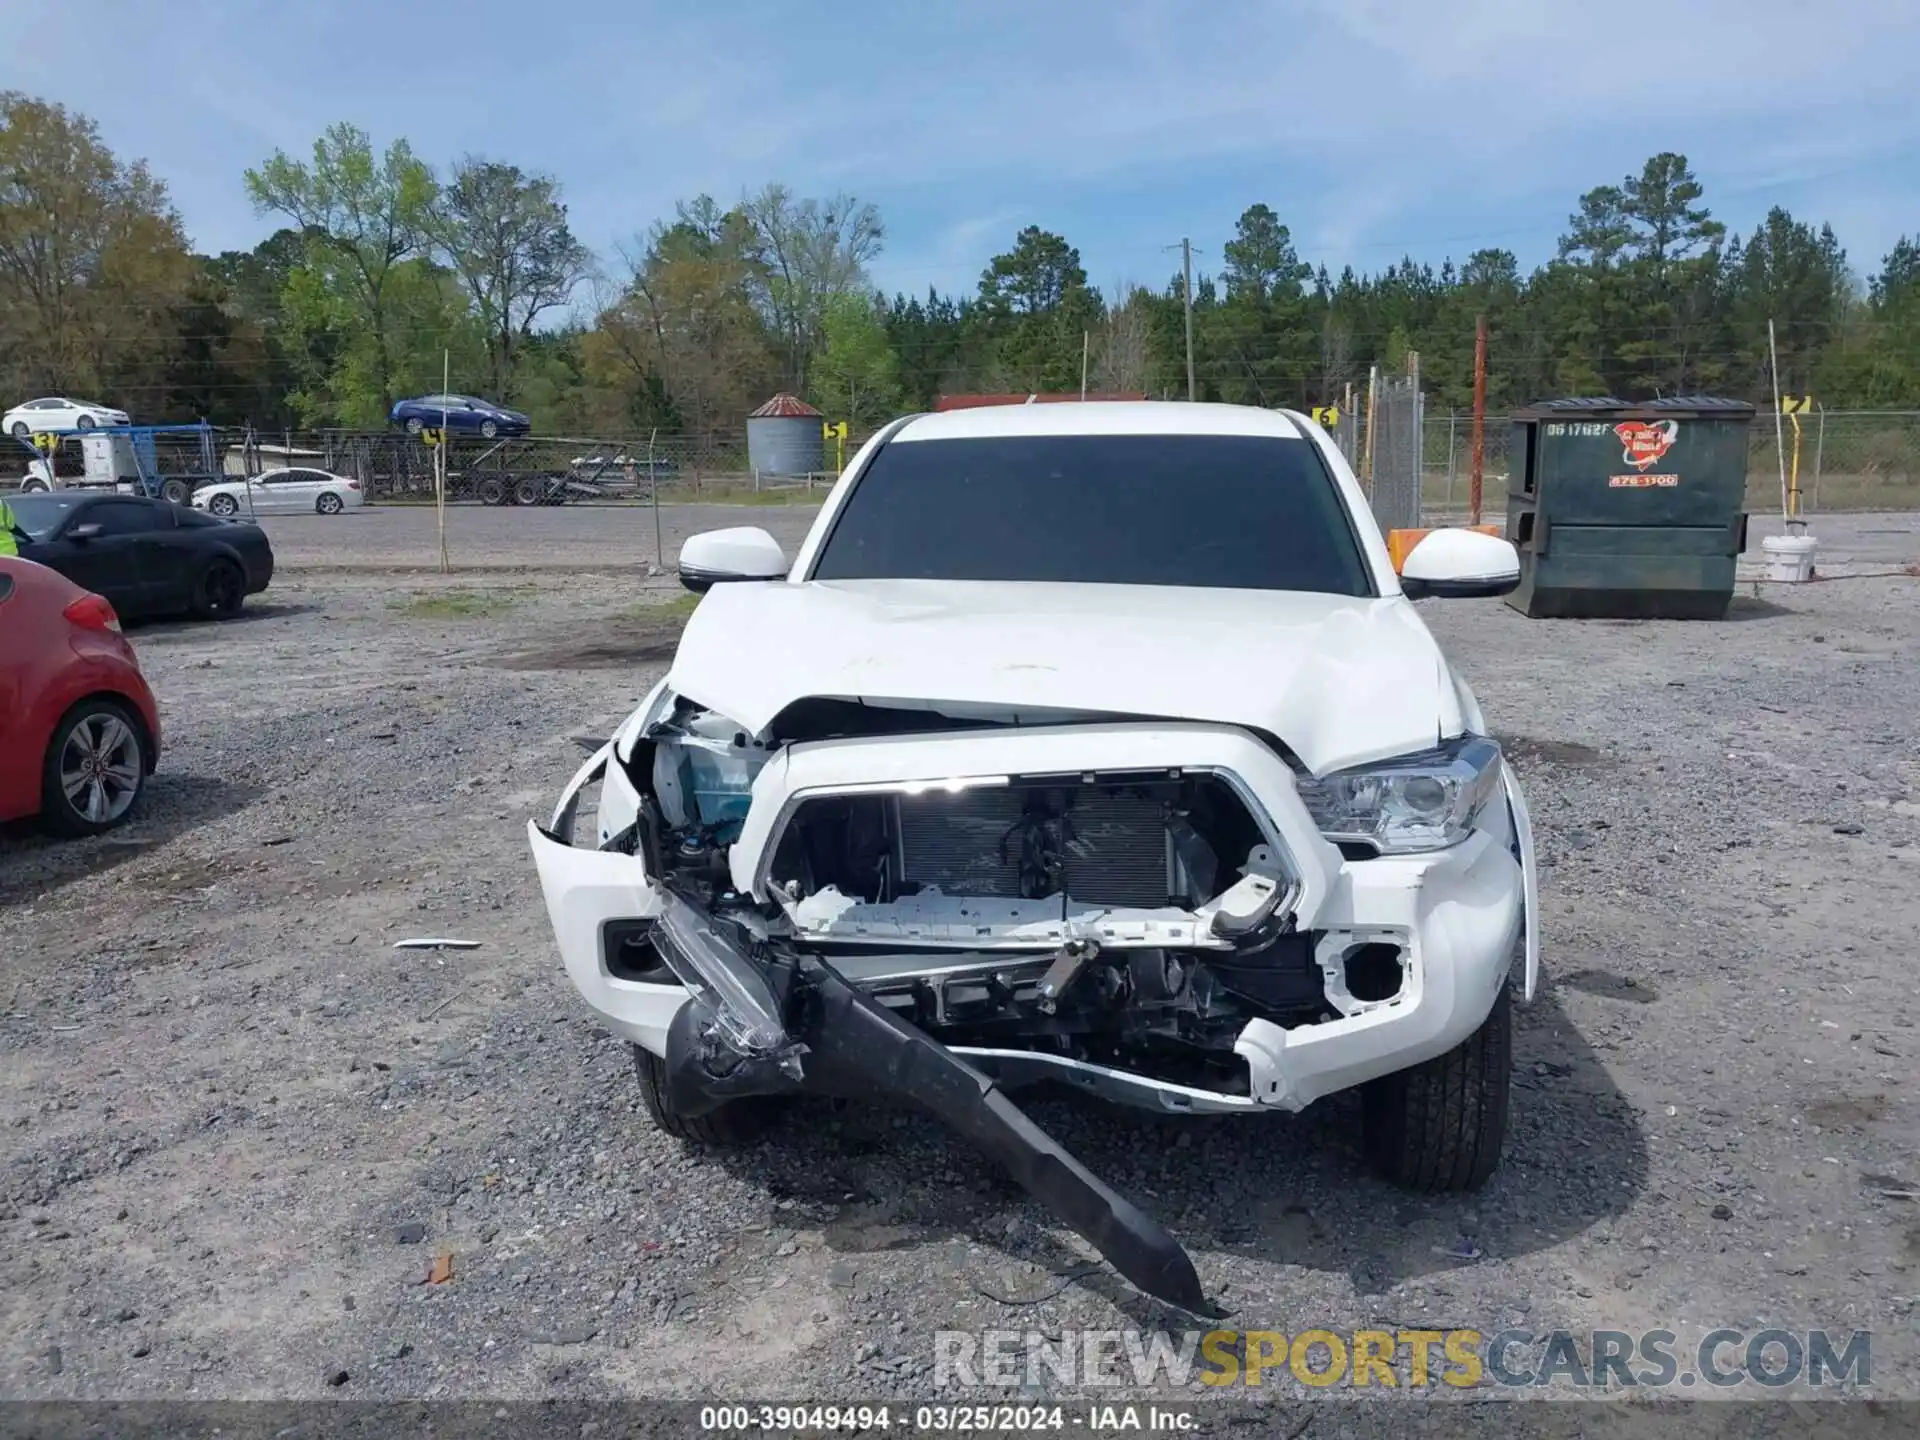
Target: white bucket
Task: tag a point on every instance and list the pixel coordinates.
(1789, 557)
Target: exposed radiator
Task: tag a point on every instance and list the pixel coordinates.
(1117, 853)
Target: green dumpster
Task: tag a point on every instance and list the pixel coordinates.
(1628, 511)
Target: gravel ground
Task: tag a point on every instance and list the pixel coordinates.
(238, 1129)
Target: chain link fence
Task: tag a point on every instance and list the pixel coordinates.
(536, 470)
(1416, 469)
(1394, 453)
(395, 467)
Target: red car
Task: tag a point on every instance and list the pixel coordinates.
(79, 732)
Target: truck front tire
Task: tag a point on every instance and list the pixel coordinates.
(725, 1127)
(1440, 1124)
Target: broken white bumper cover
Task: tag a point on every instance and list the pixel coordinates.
(1456, 914)
(753, 1018)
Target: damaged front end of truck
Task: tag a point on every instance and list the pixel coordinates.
(862, 900)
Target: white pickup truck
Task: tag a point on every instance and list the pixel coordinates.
(1098, 744)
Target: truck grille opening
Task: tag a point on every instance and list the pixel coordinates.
(1125, 841)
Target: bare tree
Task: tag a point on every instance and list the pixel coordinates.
(505, 234)
(806, 253)
(1122, 345)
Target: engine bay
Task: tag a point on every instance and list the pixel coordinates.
(1121, 919)
(1139, 843)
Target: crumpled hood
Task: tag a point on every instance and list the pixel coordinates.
(1339, 680)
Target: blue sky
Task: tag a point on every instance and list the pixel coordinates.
(1374, 127)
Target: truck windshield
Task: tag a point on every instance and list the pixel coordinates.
(1211, 511)
(40, 515)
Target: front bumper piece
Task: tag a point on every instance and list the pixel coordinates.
(746, 1016)
(729, 1041)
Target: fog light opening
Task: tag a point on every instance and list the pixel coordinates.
(630, 953)
(1373, 971)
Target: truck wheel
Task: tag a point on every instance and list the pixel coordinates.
(1440, 1125)
(492, 491)
(527, 492)
(731, 1124)
(177, 491)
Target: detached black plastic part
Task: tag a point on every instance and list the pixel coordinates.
(856, 1047)
(854, 1039)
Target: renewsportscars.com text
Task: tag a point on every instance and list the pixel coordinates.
(1717, 1360)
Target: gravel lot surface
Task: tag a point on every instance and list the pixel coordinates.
(238, 1130)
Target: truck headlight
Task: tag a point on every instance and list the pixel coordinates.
(746, 1012)
(1424, 801)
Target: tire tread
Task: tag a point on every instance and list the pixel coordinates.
(1440, 1125)
(728, 1126)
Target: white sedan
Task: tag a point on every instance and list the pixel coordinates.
(1099, 744)
(59, 412)
(282, 492)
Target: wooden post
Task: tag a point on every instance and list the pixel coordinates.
(1366, 445)
(1478, 475)
(440, 462)
(653, 488)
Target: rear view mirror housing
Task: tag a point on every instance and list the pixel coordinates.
(745, 552)
(1460, 565)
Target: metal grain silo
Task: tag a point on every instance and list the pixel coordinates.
(783, 437)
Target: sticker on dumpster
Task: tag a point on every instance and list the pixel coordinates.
(1644, 444)
(1642, 482)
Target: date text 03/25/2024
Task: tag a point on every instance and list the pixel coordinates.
(945, 1419)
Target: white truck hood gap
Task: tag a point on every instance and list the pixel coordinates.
(1339, 680)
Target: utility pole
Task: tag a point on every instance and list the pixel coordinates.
(1477, 475)
(1186, 290)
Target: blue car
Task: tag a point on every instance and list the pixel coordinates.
(466, 414)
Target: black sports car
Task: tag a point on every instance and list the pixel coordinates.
(148, 557)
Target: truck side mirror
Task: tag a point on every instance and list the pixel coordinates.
(1460, 564)
(745, 552)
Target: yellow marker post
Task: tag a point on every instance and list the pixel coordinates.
(1793, 407)
(836, 431)
(1327, 415)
